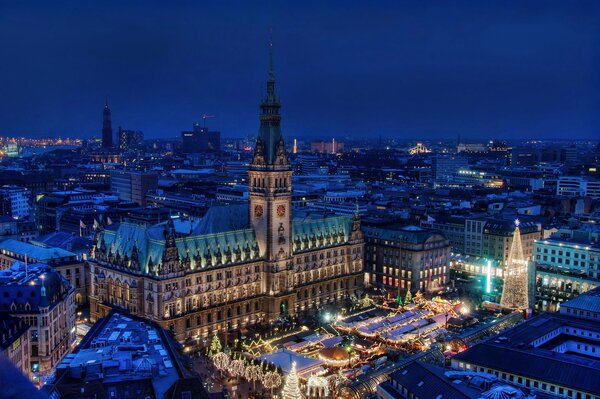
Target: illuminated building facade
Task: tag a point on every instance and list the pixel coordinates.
(405, 259)
(43, 299)
(564, 269)
(238, 265)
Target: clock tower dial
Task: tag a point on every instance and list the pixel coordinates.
(281, 210)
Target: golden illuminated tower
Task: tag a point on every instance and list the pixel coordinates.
(270, 200)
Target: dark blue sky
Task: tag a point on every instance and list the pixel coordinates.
(421, 69)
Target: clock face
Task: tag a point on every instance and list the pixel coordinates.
(258, 211)
(281, 210)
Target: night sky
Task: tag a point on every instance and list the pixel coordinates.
(422, 69)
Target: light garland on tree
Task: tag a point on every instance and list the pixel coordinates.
(221, 361)
(317, 386)
(291, 389)
(515, 293)
(272, 380)
(215, 346)
(237, 368)
(253, 373)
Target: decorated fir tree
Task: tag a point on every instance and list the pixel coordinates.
(408, 297)
(399, 299)
(215, 346)
(291, 389)
(418, 297)
(366, 302)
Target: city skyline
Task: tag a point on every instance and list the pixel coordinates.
(507, 71)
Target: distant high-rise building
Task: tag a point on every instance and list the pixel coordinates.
(200, 140)
(15, 200)
(132, 185)
(107, 133)
(129, 139)
(329, 147)
(444, 167)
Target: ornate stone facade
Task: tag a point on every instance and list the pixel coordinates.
(221, 274)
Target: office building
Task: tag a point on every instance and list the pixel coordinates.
(564, 268)
(129, 139)
(485, 237)
(240, 264)
(578, 186)
(200, 140)
(405, 258)
(41, 297)
(465, 177)
(124, 356)
(16, 201)
(553, 354)
(444, 167)
(132, 186)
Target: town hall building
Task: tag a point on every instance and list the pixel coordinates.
(237, 266)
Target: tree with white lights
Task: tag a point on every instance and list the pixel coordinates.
(253, 373)
(272, 380)
(221, 361)
(237, 368)
(291, 389)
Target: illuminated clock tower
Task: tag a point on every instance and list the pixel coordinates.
(270, 191)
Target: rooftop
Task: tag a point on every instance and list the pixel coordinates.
(34, 252)
(525, 349)
(121, 352)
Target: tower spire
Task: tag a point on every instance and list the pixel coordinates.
(271, 72)
(107, 132)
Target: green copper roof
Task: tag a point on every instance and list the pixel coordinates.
(309, 234)
(201, 250)
(270, 138)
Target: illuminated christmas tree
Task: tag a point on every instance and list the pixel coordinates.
(366, 301)
(215, 346)
(291, 389)
(399, 299)
(408, 298)
(515, 292)
(418, 298)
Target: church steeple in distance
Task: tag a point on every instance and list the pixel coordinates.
(270, 147)
(107, 132)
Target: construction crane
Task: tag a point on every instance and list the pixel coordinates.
(205, 117)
